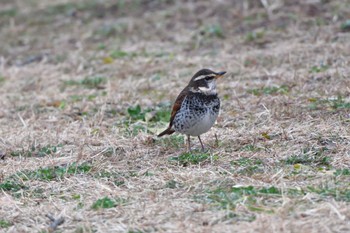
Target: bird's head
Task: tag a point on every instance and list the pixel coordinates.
(204, 81)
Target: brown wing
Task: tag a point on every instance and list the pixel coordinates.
(176, 107)
(177, 104)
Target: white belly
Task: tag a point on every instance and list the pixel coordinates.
(203, 125)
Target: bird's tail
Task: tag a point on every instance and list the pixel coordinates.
(167, 131)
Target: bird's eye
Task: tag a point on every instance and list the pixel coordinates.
(209, 78)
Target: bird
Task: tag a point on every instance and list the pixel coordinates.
(196, 108)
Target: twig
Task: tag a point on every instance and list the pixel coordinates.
(23, 122)
(216, 140)
(54, 222)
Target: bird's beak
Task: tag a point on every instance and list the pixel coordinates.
(220, 74)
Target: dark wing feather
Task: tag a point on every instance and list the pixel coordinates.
(176, 107)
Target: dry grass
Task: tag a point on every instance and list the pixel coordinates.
(75, 145)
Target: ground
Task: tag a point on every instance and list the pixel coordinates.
(86, 85)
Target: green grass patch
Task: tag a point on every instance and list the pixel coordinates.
(12, 186)
(55, 173)
(214, 30)
(172, 141)
(330, 103)
(39, 151)
(5, 224)
(318, 69)
(78, 98)
(266, 199)
(76, 196)
(135, 128)
(338, 191)
(247, 166)
(111, 113)
(118, 178)
(345, 26)
(255, 17)
(188, 158)
(69, 7)
(342, 172)
(145, 120)
(15, 183)
(95, 82)
(159, 113)
(172, 184)
(250, 147)
(121, 54)
(107, 31)
(116, 54)
(136, 113)
(253, 197)
(310, 156)
(274, 90)
(7, 13)
(106, 203)
(2, 79)
(254, 36)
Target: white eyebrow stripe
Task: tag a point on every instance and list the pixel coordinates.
(203, 76)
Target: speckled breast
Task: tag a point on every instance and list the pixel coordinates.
(197, 114)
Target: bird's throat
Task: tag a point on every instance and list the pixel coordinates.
(207, 90)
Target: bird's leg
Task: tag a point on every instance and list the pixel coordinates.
(188, 143)
(201, 143)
